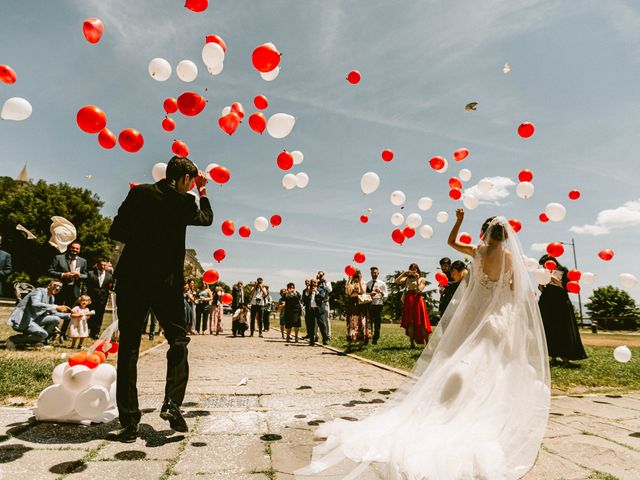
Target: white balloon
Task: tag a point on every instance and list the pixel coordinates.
(226, 110)
(302, 180)
(465, 174)
(426, 231)
(485, 185)
(531, 263)
(622, 354)
(212, 55)
(397, 198)
(280, 125)
(16, 108)
(57, 373)
(112, 394)
(414, 220)
(159, 171)
(588, 278)
(261, 224)
(397, 219)
(289, 181)
(159, 69)
(92, 401)
(425, 203)
(542, 275)
(270, 76)
(627, 280)
(187, 71)
(442, 217)
(77, 377)
(217, 70)
(369, 183)
(298, 157)
(525, 190)
(55, 401)
(470, 201)
(210, 167)
(556, 212)
(104, 374)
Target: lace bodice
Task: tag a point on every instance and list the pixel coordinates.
(486, 282)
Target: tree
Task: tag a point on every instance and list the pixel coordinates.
(32, 205)
(338, 298)
(613, 309)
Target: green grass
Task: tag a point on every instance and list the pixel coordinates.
(598, 373)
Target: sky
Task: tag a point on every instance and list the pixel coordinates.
(575, 69)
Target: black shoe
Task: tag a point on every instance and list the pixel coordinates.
(306, 337)
(325, 343)
(312, 344)
(124, 435)
(171, 412)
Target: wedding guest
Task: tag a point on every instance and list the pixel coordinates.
(192, 302)
(78, 328)
(203, 309)
(358, 330)
(266, 309)
(188, 317)
(237, 295)
(558, 317)
(5, 267)
(323, 284)
(458, 272)
(378, 291)
(415, 319)
(307, 284)
(239, 321)
(445, 267)
(257, 301)
(99, 284)
(283, 295)
(292, 311)
(152, 321)
(313, 298)
(217, 311)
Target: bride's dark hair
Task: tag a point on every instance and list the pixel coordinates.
(498, 231)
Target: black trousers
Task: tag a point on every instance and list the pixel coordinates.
(266, 314)
(203, 312)
(95, 321)
(312, 319)
(256, 315)
(133, 303)
(67, 296)
(238, 328)
(375, 313)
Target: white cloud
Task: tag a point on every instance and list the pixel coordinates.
(499, 191)
(626, 216)
(538, 247)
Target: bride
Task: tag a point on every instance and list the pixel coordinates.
(478, 402)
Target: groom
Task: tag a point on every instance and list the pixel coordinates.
(152, 223)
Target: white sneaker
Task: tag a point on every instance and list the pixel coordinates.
(9, 345)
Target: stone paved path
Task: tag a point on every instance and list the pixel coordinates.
(288, 388)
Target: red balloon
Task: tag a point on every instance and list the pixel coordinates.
(515, 224)
(573, 287)
(91, 360)
(437, 163)
(276, 220)
(244, 231)
(408, 232)
(350, 270)
(398, 236)
(197, 5)
(543, 217)
(606, 254)
(92, 29)
(220, 174)
(460, 154)
(180, 148)
(238, 108)
(228, 228)
(257, 122)
(7, 74)
(550, 265)
(261, 102)
(555, 249)
(353, 77)
(525, 175)
(285, 160)
(210, 276)
(465, 238)
(226, 298)
(219, 255)
(114, 347)
(229, 123)
(168, 124)
(364, 219)
(265, 58)
(574, 275)
(170, 105)
(359, 257)
(455, 183)
(442, 279)
(77, 359)
(574, 194)
(387, 155)
(455, 193)
(526, 129)
(91, 119)
(216, 39)
(106, 138)
(191, 104)
(130, 140)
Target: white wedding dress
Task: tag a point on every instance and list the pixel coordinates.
(478, 404)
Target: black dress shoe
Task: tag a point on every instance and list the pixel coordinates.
(125, 435)
(171, 412)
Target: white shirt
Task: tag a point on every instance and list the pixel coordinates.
(240, 316)
(101, 275)
(377, 298)
(312, 302)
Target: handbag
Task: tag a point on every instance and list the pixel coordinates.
(364, 298)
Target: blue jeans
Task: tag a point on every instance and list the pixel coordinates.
(39, 330)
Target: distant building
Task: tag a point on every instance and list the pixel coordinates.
(23, 176)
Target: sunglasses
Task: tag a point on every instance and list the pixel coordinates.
(56, 287)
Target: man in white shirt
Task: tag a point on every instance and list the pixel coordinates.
(378, 291)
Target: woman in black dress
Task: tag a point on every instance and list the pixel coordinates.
(558, 317)
(292, 311)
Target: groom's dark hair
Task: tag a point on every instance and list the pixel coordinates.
(178, 167)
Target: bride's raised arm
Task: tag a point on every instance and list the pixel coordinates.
(453, 236)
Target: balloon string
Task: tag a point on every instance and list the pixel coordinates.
(110, 330)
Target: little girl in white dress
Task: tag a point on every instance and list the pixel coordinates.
(78, 327)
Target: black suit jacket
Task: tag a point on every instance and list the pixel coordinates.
(152, 223)
(60, 265)
(98, 294)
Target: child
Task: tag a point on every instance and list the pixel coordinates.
(78, 327)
